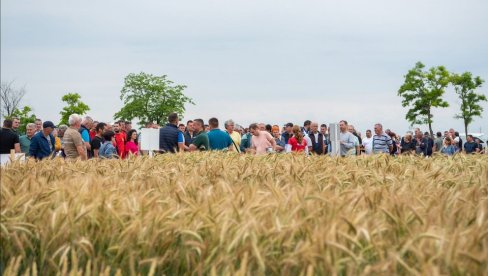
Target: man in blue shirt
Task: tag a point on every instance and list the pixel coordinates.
(470, 147)
(43, 143)
(218, 139)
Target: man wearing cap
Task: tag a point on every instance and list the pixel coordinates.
(288, 133)
(43, 143)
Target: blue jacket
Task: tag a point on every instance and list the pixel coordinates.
(39, 147)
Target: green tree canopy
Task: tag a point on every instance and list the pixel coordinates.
(150, 98)
(422, 91)
(465, 86)
(26, 116)
(74, 105)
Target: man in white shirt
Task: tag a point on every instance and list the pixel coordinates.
(368, 142)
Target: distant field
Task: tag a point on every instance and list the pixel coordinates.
(225, 214)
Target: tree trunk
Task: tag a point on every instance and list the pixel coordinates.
(465, 129)
(430, 124)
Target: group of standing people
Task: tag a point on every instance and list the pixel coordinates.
(84, 138)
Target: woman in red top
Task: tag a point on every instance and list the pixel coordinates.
(297, 142)
(131, 146)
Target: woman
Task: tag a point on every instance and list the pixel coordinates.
(297, 142)
(280, 145)
(107, 149)
(394, 139)
(408, 144)
(448, 149)
(131, 146)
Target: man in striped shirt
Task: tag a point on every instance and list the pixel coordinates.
(382, 142)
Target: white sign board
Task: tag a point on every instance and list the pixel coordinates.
(150, 139)
(334, 136)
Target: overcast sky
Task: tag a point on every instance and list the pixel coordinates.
(252, 61)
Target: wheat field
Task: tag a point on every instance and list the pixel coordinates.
(229, 214)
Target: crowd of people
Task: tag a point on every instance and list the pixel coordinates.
(84, 138)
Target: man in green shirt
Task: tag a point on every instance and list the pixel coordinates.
(25, 140)
(200, 140)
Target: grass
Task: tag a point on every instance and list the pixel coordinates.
(216, 213)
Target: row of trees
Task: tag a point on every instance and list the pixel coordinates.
(146, 97)
(423, 90)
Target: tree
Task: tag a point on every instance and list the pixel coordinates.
(10, 97)
(151, 98)
(25, 117)
(422, 91)
(465, 86)
(75, 105)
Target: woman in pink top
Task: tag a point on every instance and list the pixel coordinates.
(297, 142)
(131, 146)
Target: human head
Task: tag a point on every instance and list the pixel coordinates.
(269, 128)
(447, 141)
(368, 133)
(182, 127)
(289, 127)
(470, 138)
(456, 134)
(254, 129)
(189, 126)
(15, 123)
(108, 135)
(128, 125)
(452, 132)
(207, 127)
(418, 133)
(446, 133)
(30, 129)
(276, 131)
(7, 123)
(173, 119)
(351, 129)
(262, 127)
(61, 130)
(198, 125)
(306, 124)
(408, 137)
(121, 125)
(314, 127)
(378, 129)
(100, 128)
(132, 135)
(213, 123)
(297, 133)
(38, 123)
(323, 129)
(74, 121)
(48, 127)
(439, 134)
(116, 127)
(94, 125)
(87, 122)
(229, 125)
(148, 124)
(343, 125)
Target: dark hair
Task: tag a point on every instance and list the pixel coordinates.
(439, 134)
(307, 123)
(456, 134)
(172, 118)
(180, 125)
(213, 122)
(269, 128)
(129, 134)
(200, 121)
(253, 126)
(323, 125)
(128, 122)
(343, 121)
(189, 121)
(7, 123)
(469, 135)
(100, 126)
(148, 124)
(108, 135)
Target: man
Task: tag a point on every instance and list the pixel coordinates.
(97, 140)
(85, 127)
(38, 123)
(120, 138)
(74, 147)
(234, 135)
(317, 139)
(357, 140)
(218, 139)
(280, 145)
(189, 133)
(43, 144)
(15, 124)
(368, 142)
(438, 142)
(182, 128)
(323, 130)
(261, 141)
(470, 147)
(288, 133)
(425, 144)
(9, 140)
(306, 128)
(128, 126)
(200, 140)
(246, 142)
(170, 137)
(25, 140)
(382, 142)
(262, 126)
(346, 139)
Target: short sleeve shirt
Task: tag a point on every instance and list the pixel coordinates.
(71, 139)
(262, 142)
(201, 141)
(8, 139)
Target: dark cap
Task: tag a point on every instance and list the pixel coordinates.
(289, 125)
(48, 124)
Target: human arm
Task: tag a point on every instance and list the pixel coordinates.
(81, 151)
